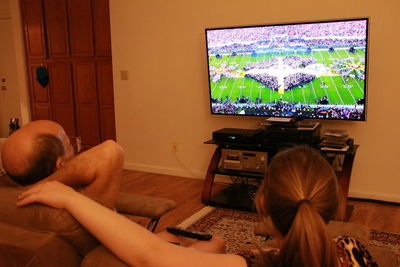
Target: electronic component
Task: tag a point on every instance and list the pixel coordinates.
(190, 234)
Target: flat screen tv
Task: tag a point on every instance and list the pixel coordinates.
(315, 70)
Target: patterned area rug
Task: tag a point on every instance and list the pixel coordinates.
(389, 241)
(237, 227)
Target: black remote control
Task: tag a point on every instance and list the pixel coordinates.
(190, 234)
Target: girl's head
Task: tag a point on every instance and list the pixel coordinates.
(300, 194)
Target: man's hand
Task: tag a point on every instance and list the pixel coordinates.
(51, 193)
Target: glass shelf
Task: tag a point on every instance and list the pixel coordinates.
(222, 171)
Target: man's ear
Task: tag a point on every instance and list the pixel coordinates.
(59, 163)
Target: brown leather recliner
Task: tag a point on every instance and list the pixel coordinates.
(39, 236)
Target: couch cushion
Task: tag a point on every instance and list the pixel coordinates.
(20, 247)
(40, 217)
(360, 232)
(14, 256)
(100, 257)
(384, 256)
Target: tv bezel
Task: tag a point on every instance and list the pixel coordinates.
(367, 19)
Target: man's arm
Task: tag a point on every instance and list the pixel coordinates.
(97, 172)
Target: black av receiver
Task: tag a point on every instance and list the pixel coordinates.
(238, 136)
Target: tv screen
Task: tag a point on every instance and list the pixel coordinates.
(313, 70)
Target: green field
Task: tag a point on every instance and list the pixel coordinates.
(336, 89)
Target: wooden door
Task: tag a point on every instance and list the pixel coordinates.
(39, 96)
(81, 28)
(86, 101)
(101, 26)
(72, 40)
(56, 23)
(32, 14)
(106, 93)
(61, 95)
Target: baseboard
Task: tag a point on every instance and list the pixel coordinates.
(353, 195)
(372, 197)
(174, 172)
(163, 170)
(374, 201)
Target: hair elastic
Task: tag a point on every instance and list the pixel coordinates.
(304, 200)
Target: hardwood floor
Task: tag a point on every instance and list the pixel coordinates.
(376, 216)
(187, 192)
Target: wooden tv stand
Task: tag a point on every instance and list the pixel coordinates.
(225, 198)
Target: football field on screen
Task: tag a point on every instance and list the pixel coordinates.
(337, 90)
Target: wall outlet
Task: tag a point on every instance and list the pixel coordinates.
(174, 146)
(3, 85)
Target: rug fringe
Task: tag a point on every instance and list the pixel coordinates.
(195, 217)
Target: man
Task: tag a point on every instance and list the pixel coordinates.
(41, 151)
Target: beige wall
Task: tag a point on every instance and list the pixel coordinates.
(161, 45)
(165, 99)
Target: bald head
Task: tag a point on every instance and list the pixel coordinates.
(31, 152)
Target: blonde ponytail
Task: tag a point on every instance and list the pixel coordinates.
(300, 194)
(307, 243)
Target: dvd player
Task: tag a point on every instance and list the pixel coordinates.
(238, 136)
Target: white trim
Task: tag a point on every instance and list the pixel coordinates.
(174, 172)
(225, 179)
(374, 196)
(163, 170)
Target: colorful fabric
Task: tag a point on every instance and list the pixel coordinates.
(352, 253)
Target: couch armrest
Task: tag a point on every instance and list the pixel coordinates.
(41, 218)
(145, 206)
(358, 231)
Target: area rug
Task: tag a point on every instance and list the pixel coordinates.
(389, 241)
(237, 227)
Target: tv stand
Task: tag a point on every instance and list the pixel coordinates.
(236, 197)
